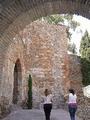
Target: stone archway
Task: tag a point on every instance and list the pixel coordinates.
(16, 14)
(17, 81)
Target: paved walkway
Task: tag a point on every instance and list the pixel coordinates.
(38, 115)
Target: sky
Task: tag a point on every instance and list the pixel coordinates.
(77, 35)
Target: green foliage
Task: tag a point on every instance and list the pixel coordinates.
(68, 17)
(71, 23)
(85, 69)
(57, 19)
(74, 24)
(85, 55)
(72, 48)
(29, 102)
(63, 19)
(85, 46)
(54, 19)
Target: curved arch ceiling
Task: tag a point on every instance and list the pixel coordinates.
(15, 14)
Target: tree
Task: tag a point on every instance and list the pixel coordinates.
(72, 24)
(85, 58)
(54, 19)
(85, 46)
(72, 48)
(64, 18)
(85, 69)
(29, 102)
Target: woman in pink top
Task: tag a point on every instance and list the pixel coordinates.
(72, 103)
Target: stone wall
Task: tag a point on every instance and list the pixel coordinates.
(14, 52)
(75, 75)
(46, 48)
(42, 51)
(75, 78)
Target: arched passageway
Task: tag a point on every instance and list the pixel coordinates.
(17, 81)
(16, 14)
(22, 12)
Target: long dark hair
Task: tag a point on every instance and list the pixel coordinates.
(46, 92)
(72, 91)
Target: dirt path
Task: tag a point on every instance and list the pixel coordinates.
(38, 115)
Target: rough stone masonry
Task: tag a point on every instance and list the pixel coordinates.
(40, 50)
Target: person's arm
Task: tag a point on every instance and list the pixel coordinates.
(52, 99)
(77, 99)
(42, 99)
(66, 97)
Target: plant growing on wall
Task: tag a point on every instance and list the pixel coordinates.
(85, 58)
(85, 68)
(72, 48)
(29, 102)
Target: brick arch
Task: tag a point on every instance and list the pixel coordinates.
(16, 14)
(10, 10)
(7, 65)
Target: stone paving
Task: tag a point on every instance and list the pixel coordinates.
(34, 114)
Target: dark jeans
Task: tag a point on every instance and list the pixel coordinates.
(72, 111)
(47, 110)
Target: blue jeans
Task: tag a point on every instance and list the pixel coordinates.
(72, 111)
